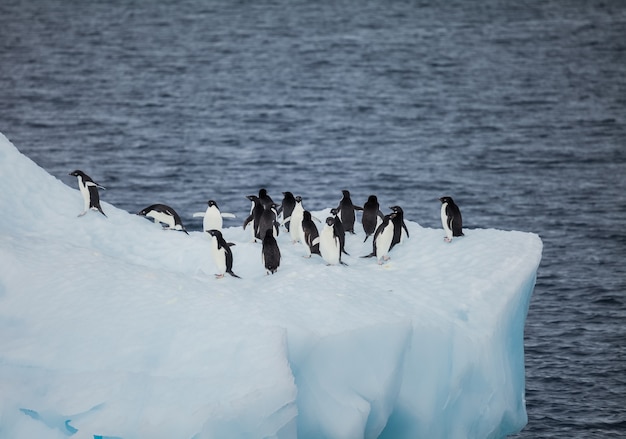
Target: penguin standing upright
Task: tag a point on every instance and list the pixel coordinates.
(339, 230)
(346, 211)
(310, 234)
(222, 255)
(212, 217)
(398, 225)
(267, 221)
(286, 208)
(383, 239)
(295, 229)
(270, 252)
(256, 211)
(371, 212)
(451, 218)
(164, 214)
(264, 198)
(89, 190)
(330, 246)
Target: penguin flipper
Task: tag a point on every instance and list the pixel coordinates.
(198, 215)
(228, 215)
(247, 221)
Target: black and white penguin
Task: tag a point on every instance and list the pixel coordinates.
(270, 252)
(286, 208)
(256, 210)
(398, 225)
(89, 190)
(265, 199)
(267, 221)
(222, 254)
(311, 236)
(330, 245)
(295, 229)
(340, 231)
(346, 211)
(165, 215)
(451, 218)
(213, 218)
(371, 213)
(383, 239)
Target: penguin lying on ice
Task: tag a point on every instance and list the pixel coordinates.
(165, 215)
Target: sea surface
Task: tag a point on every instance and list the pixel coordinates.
(516, 109)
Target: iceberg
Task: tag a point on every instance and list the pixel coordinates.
(111, 327)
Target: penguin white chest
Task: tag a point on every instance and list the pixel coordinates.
(329, 245)
(219, 256)
(295, 229)
(383, 241)
(84, 191)
(445, 222)
(212, 219)
(160, 217)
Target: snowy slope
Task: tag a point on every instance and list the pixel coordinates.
(113, 327)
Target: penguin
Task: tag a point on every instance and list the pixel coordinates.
(212, 217)
(382, 239)
(295, 229)
(89, 190)
(451, 218)
(310, 234)
(346, 211)
(265, 199)
(255, 215)
(267, 221)
(222, 254)
(398, 225)
(165, 215)
(330, 245)
(339, 230)
(371, 212)
(270, 252)
(287, 206)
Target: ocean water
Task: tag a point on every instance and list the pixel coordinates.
(515, 109)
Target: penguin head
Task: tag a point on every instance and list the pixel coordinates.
(262, 193)
(212, 203)
(78, 173)
(330, 221)
(334, 211)
(306, 215)
(346, 193)
(446, 200)
(299, 199)
(288, 195)
(252, 197)
(215, 233)
(397, 209)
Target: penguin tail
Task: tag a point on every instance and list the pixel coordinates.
(371, 255)
(343, 250)
(233, 274)
(102, 212)
(366, 236)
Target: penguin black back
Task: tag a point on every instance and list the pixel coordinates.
(311, 234)
(346, 211)
(270, 252)
(339, 230)
(453, 216)
(286, 208)
(371, 212)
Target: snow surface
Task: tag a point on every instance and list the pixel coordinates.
(112, 327)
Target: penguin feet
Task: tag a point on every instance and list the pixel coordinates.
(447, 239)
(219, 276)
(81, 214)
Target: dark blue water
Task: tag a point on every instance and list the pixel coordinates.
(516, 109)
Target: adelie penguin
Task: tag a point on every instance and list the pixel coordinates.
(451, 218)
(398, 225)
(330, 244)
(310, 234)
(89, 190)
(295, 229)
(270, 252)
(212, 217)
(286, 208)
(371, 213)
(267, 221)
(164, 214)
(339, 230)
(256, 210)
(222, 254)
(347, 211)
(383, 239)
